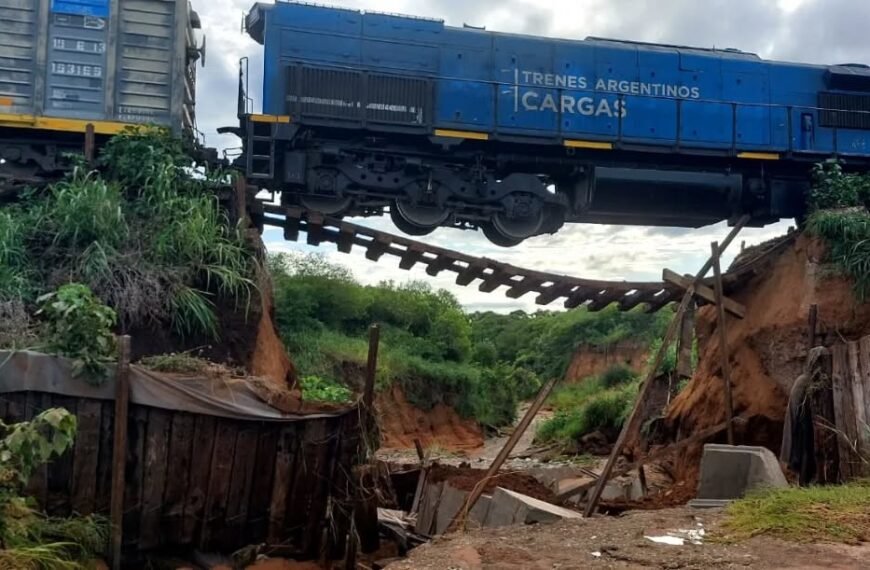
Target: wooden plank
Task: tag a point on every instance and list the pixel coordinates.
(154, 483)
(578, 296)
(721, 324)
(118, 464)
(378, 247)
(411, 257)
(179, 462)
(604, 300)
(86, 456)
(473, 271)
(198, 481)
(60, 470)
(439, 264)
(314, 229)
(104, 463)
(492, 282)
(704, 292)
(635, 298)
(345, 238)
(240, 486)
(523, 287)
(219, 483)
(261, 488)
(844, 413)
(326, 440)
(283, 481)
(857, 384)
(865, 380)
(137, 425)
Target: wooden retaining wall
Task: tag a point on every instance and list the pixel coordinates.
(851, 406)
(201, 481)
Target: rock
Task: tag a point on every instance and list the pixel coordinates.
(728, 472)
(508, 508)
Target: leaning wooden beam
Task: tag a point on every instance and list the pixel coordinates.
(723, 341)
(704, 292)
(472, 498)
(629, 425)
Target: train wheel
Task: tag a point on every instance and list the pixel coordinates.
(496, 237)
(327, 205)
(408, 227)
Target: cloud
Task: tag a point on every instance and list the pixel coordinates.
(832, 31)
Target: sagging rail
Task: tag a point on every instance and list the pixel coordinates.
(574, 291)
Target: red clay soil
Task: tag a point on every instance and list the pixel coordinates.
(591, 360)
(270, 359)
(400, 423)
(466, 479)
(768, 349)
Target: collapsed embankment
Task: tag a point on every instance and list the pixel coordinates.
(767, 350)
(401, 423)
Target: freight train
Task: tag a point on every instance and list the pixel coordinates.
(66, 65)
(516, 135)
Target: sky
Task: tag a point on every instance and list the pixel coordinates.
(811, 31)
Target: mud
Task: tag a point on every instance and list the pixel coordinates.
(591, 360)
(767, 350)
(466, 479)
(441, 427)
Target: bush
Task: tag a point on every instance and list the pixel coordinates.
(79, 327)
(587, 407)
(617, 375)
(317, 389)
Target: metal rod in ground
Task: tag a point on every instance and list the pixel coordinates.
(629, 425)
(119, 448)
(372, 366)
(90, 144)
(723, 341)
(472, 498)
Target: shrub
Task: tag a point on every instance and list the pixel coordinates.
(317, 389)
(79, 327)
(617, 375)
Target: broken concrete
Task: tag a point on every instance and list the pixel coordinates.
(729, 472)
(509, 508)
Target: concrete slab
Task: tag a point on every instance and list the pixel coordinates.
(451, 501)
(729, 472)
(509, 507)
(428, 508)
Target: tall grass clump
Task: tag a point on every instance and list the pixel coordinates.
(144, 231)
(840, 217)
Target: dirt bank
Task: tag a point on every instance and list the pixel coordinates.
(589, 360)
(466, 479)
(401, 423)
(767, 349)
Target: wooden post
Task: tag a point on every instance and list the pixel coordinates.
(474, 495)
(372, 366)
(723, 341)
(240, 202)
(90, 144)
(119, 449)
(813, 322)
(629, 425)
(685, 342)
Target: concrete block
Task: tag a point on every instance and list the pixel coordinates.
(729, 472)
(508, 508)
(451, 501)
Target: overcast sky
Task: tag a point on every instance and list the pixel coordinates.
(812, 31)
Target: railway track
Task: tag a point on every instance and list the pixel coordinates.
(491, 274)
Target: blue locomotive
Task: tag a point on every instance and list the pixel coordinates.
(517, 135)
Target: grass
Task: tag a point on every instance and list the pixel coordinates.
(586, 407)
(181, 363)
(317, 389)
(809, 514)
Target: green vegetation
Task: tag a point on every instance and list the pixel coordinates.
(79, 327)
(600, 403)
(317, 389)
(807, 514)
(143, 231)
(481, 364)
(30, 540)
(176, 363)
(840, 217)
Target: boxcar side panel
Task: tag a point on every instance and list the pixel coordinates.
(19, 24)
